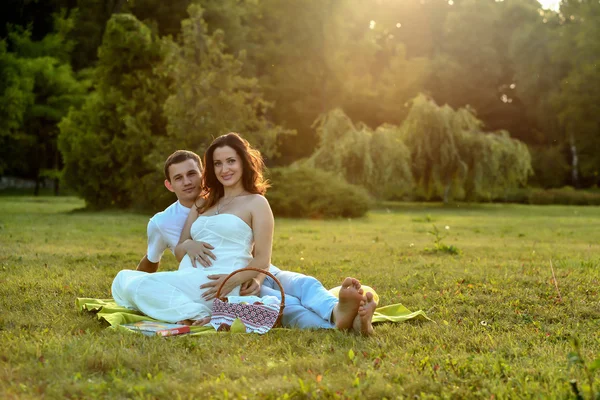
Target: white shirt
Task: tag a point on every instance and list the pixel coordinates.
(164, 230)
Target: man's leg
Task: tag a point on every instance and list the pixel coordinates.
(295, 315)
(311, 293)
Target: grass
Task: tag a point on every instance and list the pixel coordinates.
(500, 330)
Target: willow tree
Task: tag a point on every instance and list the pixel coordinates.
(514, 163)
(451, 154)
(392, 175)
(495, 162)
(432, 136)
(343, 147)
(378, 161)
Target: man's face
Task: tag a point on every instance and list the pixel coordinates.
(185, 181)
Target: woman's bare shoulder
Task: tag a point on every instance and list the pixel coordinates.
(258, 198)
(258, 201)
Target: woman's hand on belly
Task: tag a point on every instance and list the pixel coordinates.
(216, 281)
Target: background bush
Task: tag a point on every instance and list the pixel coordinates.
(566, 195)
(310, 192)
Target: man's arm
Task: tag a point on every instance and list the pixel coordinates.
(147, 265)
(156, 246)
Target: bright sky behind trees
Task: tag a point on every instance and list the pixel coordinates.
(551, 4)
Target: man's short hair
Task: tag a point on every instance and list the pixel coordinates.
(180, 156)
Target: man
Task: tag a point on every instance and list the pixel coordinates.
(308, 303)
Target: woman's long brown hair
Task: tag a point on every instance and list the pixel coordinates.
(252, 170)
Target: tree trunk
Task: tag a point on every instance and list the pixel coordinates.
(574, 162)
(447, 193)
(56, 169)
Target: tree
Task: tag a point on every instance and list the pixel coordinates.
(318, 55)
(473, 68)
(37, 99)
(154, 96)
(432, 137)
(578, 100)
(453, 157)
(106, 142)
(537, 76)
(379, 161)
(16, 94)
(209, 97)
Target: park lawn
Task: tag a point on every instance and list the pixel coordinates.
(500, 329)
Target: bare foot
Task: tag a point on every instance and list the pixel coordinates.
(362, 321)
(350, 297)
(187, 322)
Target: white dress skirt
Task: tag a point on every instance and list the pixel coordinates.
(176, 295)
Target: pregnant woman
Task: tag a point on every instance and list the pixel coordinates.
(233, 216)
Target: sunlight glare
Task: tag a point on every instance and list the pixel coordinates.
(550, 4)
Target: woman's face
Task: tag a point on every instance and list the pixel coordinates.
(228, 166)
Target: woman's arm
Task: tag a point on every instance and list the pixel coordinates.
(262, 228)
(198, 251)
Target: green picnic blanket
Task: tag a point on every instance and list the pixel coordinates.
(115, 315)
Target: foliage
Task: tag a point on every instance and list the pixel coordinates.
(208, 96)
(578, 107)
(38, 89)
(378, 161)
(450, 152)
(566, 195)
(319, 55)
(550, 166)
(432, 138)
(16, 91)
(497, 318)
(105, 143)
(305, 192)
(530, 51)
(525, 70)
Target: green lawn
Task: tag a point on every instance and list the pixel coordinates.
(500, 330)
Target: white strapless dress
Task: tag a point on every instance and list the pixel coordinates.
(176, 295)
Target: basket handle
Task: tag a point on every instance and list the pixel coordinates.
(263, 271)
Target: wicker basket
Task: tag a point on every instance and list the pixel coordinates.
(258, 318)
